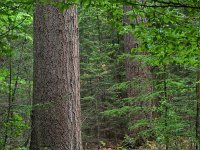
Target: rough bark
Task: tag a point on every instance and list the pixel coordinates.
(56, 89)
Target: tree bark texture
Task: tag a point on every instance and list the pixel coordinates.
(56, 84)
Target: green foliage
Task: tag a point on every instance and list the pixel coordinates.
(15, 71)
(128, 142)
(16, 126)
(169, 38)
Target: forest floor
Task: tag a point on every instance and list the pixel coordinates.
(151, 145)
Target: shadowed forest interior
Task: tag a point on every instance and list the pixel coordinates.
(100, 74)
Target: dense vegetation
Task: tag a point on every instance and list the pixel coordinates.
(147, 98)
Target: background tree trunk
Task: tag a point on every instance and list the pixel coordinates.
(135, 72)
(198, 109)
(56, 89)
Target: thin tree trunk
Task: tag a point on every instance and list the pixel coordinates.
(166, 108)
(56, 84)
(198, 110)
(98, 99)
(9, 101)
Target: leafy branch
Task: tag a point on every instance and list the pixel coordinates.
(161, 4)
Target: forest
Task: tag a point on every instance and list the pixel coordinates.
(99, 74)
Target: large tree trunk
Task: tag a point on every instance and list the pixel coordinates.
(56, 89)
